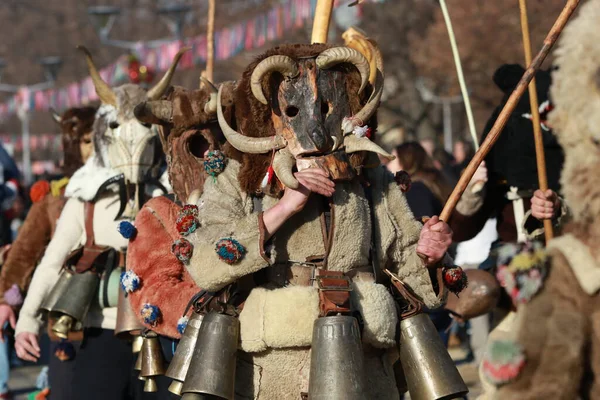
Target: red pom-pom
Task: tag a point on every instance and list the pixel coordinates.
(403, 180)
(455, 279)
(39, 190)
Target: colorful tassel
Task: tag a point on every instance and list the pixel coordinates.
(214, 163)
(150, 313)
(455, 279)
(126, 229)
(183, 250)
(230, 250)
(13, 296)
(268, 179)
(189, 209)
(187, 224)
(182, 324)
(64, 351)
(503, 361)
(130, 282)
(521, 270)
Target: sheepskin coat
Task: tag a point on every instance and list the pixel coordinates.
(30, 244)
(278, 321)
(164, 281)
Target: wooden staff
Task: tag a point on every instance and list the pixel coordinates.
(508, 108)
(535, 117)
(321, 23)
(208, 73)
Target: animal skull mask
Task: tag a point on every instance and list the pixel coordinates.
(312, 102)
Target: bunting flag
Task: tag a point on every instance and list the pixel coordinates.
(229, 41)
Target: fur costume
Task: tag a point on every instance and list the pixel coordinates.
(278, 316)
(560, 330)
(40, 223)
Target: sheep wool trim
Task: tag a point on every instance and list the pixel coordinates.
(87, 180)
(130, 282)
(127, 229)
(230, 250)
(151, 314)
(522, 270)
(503, 361)
(182, 324)
(214, 163)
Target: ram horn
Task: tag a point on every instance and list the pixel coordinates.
(210, 107)
(283, 64)
(161, 87)
(104, 92)
(283, 164)
(365, 113)
(55, 116)
(156, 112)
(243, 143)
(336, 55)
(355, 144)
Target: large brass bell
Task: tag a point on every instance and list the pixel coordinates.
(57, 291)
(72, 306)
(180, 363)
(128, 324)
(212, 367)
(337, 360)
(153, 361)
(430, 372)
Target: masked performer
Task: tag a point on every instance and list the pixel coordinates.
(553, 350)
(108, 189)
(291, 222)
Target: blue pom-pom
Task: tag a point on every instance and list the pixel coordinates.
(182, 324)
(64, 351)
(126, 229)
(150, 313)
(130, 282)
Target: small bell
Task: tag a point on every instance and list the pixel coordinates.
(153, 361)
(62, 327)
(136, 344)
(185, 349)
(128, 323)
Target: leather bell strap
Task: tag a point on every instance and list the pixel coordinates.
(414, 305)
(334, 292)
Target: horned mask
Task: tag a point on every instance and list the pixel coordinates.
(312, 100)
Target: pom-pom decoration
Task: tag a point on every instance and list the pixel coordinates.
(503, 361)
(39, 190)
(189, 209)
(214, 163)
(522, 270)
(139, 73)
(187, 224)
(151, 314)
(230, 250)
(126, 229)
(64, 351)
(455, 279)
(130, 282)
(403, 180)
(13, 296)
(182, 324)
(182, 249)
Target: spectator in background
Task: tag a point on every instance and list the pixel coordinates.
(428, 145)
(463, 151)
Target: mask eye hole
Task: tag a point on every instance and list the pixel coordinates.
(198, 145)
(291, 111)
(113, 125)
(324, 108)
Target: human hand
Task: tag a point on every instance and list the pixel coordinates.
(544, 205)
(312, 180)
(6, 314)
(434, 241)
(479, 179)
(27, 346)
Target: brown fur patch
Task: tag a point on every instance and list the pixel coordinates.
(76, 122)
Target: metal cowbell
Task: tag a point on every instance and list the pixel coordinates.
(72, 306)
(212, 367)
(337, 360)
(57, 291)
(136, 344)
(430, 372)
(128, 323)
(153, 361)
(180, 363)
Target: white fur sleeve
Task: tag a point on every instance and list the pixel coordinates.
(67, 237)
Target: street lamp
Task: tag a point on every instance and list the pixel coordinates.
(51, 66)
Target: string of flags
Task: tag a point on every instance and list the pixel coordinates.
(229, 41)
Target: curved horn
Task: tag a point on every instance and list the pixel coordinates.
(283, 64)
(365, 113)
(55, 116)
(355, 144)
(105, 92)
(194, 197)
(283, 163)
(210, 107)
(161, 87)
(157, 112)
(337, 55)
(243, 143)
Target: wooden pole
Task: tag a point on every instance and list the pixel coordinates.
(208, 73)
(535, 117)
(321, 23)
(508, 108)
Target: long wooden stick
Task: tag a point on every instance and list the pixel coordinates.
(508, 108)
(208, 73)
(321, 23)
(535, 117)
